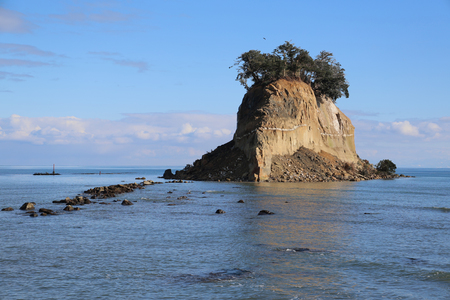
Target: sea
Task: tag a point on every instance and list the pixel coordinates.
(379, 239)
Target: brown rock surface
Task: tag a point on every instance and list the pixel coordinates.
(284, 134)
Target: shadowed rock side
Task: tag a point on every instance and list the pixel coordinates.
(284, 122)
(226, 162)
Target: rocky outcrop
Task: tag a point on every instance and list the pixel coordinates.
(280, 118)
(284, 121)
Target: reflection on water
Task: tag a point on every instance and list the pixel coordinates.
(309, 217)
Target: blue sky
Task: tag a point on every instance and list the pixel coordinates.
(148, 82)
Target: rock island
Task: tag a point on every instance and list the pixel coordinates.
(288, 126)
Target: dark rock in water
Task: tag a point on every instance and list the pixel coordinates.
(104, 203)
(265, 212)
(68, 208)
(140, 178)
(46, 211)
(126, 202)
(78, 200)
(43, 214)
(240, 201)
(111, 191)
(28, 206)
(34, 215)
(181, 198)
(7, 209)
(76, 208)
(168, 174)
(301, 249)
(219, 211)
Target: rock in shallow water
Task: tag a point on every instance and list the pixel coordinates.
(68, 208)
(8, 209)
(219, 211)
(126, 202)
(265, 212)
(28, 206)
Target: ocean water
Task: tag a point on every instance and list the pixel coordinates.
(343, 240)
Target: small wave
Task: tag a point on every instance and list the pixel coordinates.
(443, 209)
(301, 250)
(438, 276)
(222, 275)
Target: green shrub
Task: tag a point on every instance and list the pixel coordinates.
(386, 166)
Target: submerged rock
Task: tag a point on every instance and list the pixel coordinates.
(7, 209)
(265, 212)
(126, 202)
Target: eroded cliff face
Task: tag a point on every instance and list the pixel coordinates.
(284, 116)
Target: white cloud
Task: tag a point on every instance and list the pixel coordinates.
(407, 143)
(406, 128)
(187, 128)
(181, 137)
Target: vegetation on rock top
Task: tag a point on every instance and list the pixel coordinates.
(324, 74)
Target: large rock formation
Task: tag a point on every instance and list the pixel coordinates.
(284, 122)
(280, 118)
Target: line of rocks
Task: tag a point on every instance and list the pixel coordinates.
(97, 192)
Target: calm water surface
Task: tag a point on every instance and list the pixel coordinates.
(348, 240)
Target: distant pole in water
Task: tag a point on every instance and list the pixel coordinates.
(100, 173)
(53, 168)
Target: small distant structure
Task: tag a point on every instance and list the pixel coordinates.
(46, 173)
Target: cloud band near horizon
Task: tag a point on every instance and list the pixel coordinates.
(180, 138)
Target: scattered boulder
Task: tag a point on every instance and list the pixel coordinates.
(28, 206)
(140, 178)
(7, 209)
(126, 202)
(68, 208)
(148, 182)
(34, 215)
(47, 211)
(265, 212)
(181, 198)
(240, 201)
(219, 211)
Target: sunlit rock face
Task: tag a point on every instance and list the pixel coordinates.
(283, 116)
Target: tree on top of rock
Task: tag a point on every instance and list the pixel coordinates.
(324, 74)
